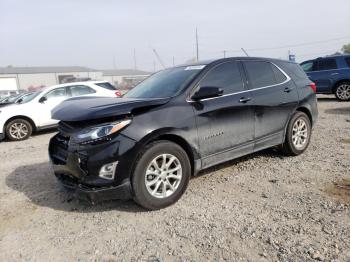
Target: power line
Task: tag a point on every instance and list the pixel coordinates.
(294, 45)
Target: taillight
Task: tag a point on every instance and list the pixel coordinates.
(313, 86)
(118, 94)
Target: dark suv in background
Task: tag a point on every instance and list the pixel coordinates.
(331, 75)
(147, 144)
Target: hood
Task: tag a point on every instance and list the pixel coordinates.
(88, 108)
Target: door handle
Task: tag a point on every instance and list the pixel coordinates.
(244, 99)
(287, 89)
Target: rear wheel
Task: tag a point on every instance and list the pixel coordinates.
(342, 91)
(161, 175)
(298, 134)
(18, 129)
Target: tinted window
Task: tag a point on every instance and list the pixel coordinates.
(58, 92)
(347, 59)
(279, 76)
(80, 90)
(293, 70)
(307, 66)
(106, 85)
(327, 64)
(225, 76)
(260, 73)
(165, 83)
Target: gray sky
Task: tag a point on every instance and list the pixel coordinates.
(90, 33)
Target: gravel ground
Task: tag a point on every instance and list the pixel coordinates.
(263, 207)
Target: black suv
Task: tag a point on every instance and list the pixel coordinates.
(148, 144)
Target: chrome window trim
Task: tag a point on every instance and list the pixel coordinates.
(249, 90)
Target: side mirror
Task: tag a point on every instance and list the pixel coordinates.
(207, 92)
(42, 99)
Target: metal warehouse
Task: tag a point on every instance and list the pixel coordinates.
(31, 78)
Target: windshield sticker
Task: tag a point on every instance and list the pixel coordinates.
(196, 67)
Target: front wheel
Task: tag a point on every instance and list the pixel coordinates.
(18, 129)
(298, 135)
(161, 175)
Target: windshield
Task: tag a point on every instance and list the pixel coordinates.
(29, 97)
(9, 99)
(165, 83)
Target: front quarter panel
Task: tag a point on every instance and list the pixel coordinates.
(174, 118)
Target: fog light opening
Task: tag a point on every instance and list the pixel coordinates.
(108, 171)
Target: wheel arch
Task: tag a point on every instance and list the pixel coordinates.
(20, 117)
(192, 154)
(335, 85)
(306, 111)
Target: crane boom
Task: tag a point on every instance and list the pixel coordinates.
(158, 57)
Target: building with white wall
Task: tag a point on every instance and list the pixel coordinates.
(27, 78)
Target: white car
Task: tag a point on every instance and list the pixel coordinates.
(18, 121)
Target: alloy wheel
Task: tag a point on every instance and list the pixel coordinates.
(18, 130)
(343, 92)
(163, 176)
(300, 133)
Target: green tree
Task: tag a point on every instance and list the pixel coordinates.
(346, 48)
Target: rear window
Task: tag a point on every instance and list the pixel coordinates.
(80, 90)
(327, 64)
(260, 73)
(106, 85)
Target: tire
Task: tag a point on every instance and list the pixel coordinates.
(295, 141)
(18, 129)
(150, 162)
(342, 91)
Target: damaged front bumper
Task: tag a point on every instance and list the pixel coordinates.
(77, 167)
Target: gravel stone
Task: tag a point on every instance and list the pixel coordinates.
(262, 207)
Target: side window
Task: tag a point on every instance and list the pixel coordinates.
(293, 69)
(56, 93)
(279, 76)
(327, 64)
(347, 60)
(260, 73)
(225, 76)
(307, 66)
(80, 90)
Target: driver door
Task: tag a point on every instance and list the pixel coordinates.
(47, 102)
(225, 123)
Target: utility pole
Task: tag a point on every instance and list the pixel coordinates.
(224, 51)
(244, 51)
(197, 45)
(135, 59)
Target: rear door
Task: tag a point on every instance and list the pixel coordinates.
(275, 99)
(226, 123)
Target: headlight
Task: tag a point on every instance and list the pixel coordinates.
(100, 132)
